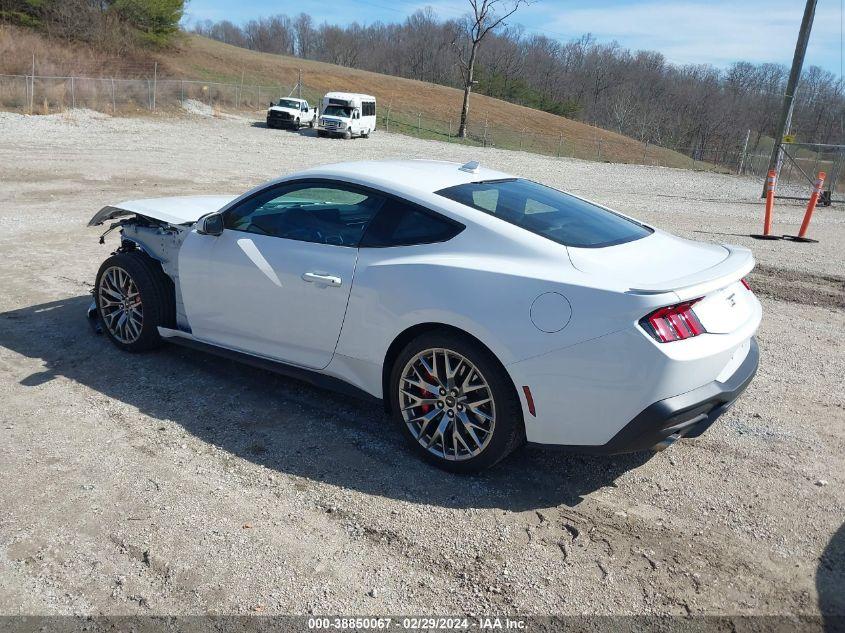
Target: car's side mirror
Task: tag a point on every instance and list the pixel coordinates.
(211, 224)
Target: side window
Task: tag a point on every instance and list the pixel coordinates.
(404, 224)
(324, 213)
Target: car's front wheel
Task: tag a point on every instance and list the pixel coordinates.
(133, 297)
(455, 403)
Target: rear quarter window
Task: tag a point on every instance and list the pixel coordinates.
(401, 223)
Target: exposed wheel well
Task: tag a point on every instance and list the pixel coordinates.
(410, 334)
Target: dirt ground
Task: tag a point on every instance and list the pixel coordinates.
(179, 483)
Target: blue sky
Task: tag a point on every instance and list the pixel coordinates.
(716, 31)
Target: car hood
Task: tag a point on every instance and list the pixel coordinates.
(175, 210)
(662, 262)
(291, 111)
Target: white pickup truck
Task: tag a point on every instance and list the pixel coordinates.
(291, 112)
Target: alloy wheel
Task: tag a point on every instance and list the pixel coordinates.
(447, 404)
(120, 305)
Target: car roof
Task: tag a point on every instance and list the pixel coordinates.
(420, 175)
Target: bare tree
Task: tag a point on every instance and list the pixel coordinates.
(486, 15)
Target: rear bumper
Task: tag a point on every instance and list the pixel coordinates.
(687, 415)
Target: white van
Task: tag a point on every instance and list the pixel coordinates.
(346, 114)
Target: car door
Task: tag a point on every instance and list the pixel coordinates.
(276, 282)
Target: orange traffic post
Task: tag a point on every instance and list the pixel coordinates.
(808, 214)
(771, 181)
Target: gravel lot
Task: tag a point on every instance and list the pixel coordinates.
(175, 482)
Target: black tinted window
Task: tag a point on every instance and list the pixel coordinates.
(548, 212)
(402, 224)
(310, 212)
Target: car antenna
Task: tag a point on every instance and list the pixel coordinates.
(471, 167)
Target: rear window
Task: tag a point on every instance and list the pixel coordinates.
(553, 214)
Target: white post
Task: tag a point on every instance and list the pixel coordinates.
(32, 88)
(240, 90)
(155, 83)
(419, 122)
(182, 92)
(113, 104)
(742, 158)
(72, 94)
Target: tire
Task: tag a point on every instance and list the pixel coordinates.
(296, 125)
(321, 134)
(482, 444)
(311, 124)
(347, 135)
(151, 286)
(365, 134)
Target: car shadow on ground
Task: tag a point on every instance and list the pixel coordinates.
(830, 582)
(287, 425)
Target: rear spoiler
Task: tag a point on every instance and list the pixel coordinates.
(734, 267)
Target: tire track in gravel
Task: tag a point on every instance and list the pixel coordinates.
(796, 286)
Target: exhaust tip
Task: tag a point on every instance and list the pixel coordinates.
(666, 443)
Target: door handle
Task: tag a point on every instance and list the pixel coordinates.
(319, 278)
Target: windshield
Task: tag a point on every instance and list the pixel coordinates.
(288, 103)
(553, 214)
(336, 110)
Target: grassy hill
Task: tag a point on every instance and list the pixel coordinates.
(415, 107)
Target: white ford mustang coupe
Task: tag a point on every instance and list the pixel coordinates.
(484, 310)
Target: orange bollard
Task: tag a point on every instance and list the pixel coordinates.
(770, 203)
(808, 214)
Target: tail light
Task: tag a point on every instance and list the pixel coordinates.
(746, 284)
(673, 323)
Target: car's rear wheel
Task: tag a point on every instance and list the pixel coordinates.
(455, 403)
(133, 297)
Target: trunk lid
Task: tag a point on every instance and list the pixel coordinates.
(663, 263)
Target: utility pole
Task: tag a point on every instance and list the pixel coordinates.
(788, 98)
(299, 84)
(155, 84)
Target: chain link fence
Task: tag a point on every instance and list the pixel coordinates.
(112, 95)
(46, 95)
